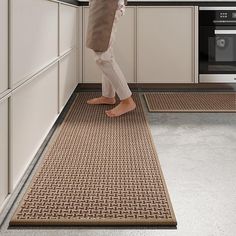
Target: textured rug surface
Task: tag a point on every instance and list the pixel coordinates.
(191, 101)
(98, 170)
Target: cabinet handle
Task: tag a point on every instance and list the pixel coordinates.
(225, 31)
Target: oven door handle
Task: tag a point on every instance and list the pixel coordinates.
(225, 31)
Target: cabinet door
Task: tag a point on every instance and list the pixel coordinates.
(165, 44)
(3, 151)
(123, 49)
(68, 17)
(67, 82)
(3, 45)
(34, 37)
(34, 109)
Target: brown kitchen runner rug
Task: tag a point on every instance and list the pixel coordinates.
(98, 170)
(191, 101)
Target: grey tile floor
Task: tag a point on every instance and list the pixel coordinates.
(197, 152)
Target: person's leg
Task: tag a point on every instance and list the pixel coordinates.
(108, 93)
(112, 71)
(108, 90)
(107, 87)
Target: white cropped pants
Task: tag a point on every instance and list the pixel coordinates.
(113, 79)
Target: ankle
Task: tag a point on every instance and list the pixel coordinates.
(128, 100)
(108, 97)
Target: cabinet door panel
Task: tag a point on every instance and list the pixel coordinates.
(34, 36)
(3, 151)
(3, 45)
(165, 43)
(67, 27)
(123, 49)
(67, 77)
(34, 108)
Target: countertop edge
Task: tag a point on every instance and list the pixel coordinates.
(162, 3)
(72, 2)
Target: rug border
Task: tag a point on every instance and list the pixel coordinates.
(92, 222)
(158, 161)
(186, 111)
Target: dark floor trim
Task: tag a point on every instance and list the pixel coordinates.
(163, 87)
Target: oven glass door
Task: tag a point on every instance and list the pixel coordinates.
(217, 50)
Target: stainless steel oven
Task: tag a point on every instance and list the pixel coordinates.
(217, 44)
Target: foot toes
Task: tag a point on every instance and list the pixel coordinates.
(109, 113)
(100, 101)
(90, 101)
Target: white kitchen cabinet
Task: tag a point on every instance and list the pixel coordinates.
(124, 49)
(68, 27)
(33, 37)
(68, 80)
(165, 44)
(3, 151)
(3, 45)
(34, 109)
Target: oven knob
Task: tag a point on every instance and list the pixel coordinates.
(220, 42)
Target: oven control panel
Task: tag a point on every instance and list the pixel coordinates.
(225, 15)
(215, 15)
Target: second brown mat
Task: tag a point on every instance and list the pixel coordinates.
(98, 170)
(191, 101)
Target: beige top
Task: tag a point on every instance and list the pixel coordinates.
(100, 21)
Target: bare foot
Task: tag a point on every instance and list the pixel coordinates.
(123, 107)
(102, 100)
